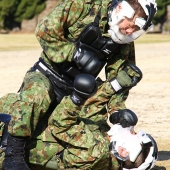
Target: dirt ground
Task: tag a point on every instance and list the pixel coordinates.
(149, 99)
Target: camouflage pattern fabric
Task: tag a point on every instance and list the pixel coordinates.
(80, 132)
(86, 146)
(66, 21)
(76, 130)
(36, 93)
(28, 106)
(70, 128)
(80, 139)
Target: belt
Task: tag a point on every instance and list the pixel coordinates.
(51, 74)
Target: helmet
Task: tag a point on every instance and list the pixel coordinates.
(150, 8)
(132, 144)
(152, 156)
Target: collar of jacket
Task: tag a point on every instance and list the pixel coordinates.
(104, 10)
(97, 2)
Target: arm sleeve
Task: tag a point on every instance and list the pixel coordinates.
(105, 94)
(125, 55)
(64, 116)
(65, 126)
(51, 31)
(95, 107)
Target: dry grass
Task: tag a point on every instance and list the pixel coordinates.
(11, 42)
(154, 38)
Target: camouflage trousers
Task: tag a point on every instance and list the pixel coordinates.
(44, 155)
(85, 147)
(28, 106)
(88, 150)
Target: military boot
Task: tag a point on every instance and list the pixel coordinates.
(14, 155)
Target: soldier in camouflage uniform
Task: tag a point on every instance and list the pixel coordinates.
(75, 40)
(75, 141)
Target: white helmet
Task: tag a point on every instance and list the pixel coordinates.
(150, 8)
(122, 137)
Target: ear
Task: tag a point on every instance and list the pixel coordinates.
(118, 8)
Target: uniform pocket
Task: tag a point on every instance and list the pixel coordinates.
(81, 23)
(78, 136)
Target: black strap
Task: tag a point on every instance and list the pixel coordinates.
(52, 75)
(151, 11)
(5, 118)
(61, 87)
(120, 164)
(155, 152)
(97, 18)
(114, 2)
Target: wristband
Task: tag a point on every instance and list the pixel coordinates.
(115, 85)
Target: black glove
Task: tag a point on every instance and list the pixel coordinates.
(125, 117)
(126, 78)
(84, 87)
(86, 61)
(134, 72)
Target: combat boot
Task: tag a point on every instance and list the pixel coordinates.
(14, 155)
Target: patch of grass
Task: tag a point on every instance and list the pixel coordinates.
(10, 42)
(153, 38)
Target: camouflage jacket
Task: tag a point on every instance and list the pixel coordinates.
(82, 140)
(76, 129)
(80, 136)
(68, 19)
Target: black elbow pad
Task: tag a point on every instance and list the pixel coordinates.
(87, 61)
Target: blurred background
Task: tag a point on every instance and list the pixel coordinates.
(23, 15)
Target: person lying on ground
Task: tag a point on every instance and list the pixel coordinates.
(137, 151)
(72, 142)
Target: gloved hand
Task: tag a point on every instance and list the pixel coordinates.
(125, 117)
(86, 61)
(126, 78)
(84, 87)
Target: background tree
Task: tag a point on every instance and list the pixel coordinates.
(12, 12)
(160, 17)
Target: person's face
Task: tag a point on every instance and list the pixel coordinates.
(126, 26)
(122, 152)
